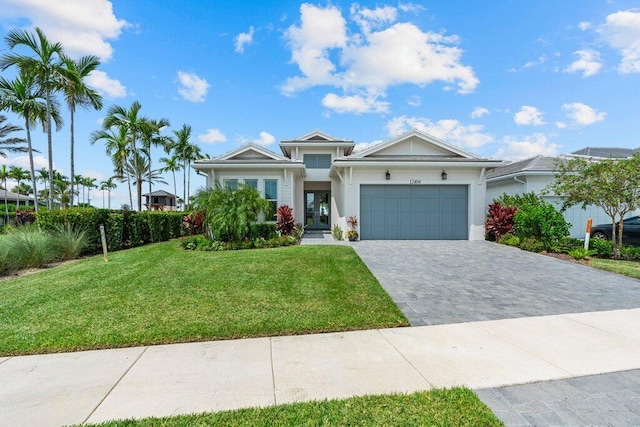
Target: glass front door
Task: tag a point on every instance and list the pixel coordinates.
(318, 210)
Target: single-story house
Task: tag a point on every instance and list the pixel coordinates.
(160, 200)
(413, 186)
(14, 198)
(536, 173)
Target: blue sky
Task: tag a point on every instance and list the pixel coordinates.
(507, 79)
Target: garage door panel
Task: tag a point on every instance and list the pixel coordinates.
(414, 211)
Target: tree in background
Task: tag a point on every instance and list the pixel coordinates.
(187, 153)
(4, 175)
(150, 137)
(118, 149)
(613, 185)
(25, 97)
(77, 93)
(108, 185)
(10, 144)
(172, 164)
(138, 170)
(45, 66)
(18, 174)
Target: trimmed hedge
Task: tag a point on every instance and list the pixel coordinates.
(124, 229)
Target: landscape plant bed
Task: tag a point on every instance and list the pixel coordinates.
(441, 407)
(159, 294)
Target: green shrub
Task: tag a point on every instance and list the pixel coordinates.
(69, 242)
(510, 240)
(580, 253)
(567, 244)
(630, 252)
(603, 248)
(115, 231)
(531, 244)
(337, 232)
(264, 230)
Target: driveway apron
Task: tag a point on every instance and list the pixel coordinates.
(441, 282)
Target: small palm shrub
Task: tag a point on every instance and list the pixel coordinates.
(31, 248)
(286, 223)
(69, 242)
(630, 253)
(581, 253)
(336, 232)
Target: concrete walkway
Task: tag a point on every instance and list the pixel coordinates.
(174, 379)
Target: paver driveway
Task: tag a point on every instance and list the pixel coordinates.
(440, 282)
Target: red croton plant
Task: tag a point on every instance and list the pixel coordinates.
(286, 223)
(499, 220)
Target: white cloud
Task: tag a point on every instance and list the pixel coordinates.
(244, 39)
(212, 136)
(584, 25)
(265, 139)
(415, 101)
(105, 85)
(589, 63)
(361, 146)
(89, 173)
(39, 162)
(528, 115)
(561, 125)
(621, 31)
(354, 104)
(529, 146)
(192, 88)
(411, 7)
(368, 19)
(364, 64)
(83, 27)
(448, 130)
(583, 115)
(479, 112)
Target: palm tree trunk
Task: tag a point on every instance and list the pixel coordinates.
(188, 178)
(130, 195)
(184, 185)
(33, 171)
(71, 127)
(6, 203)
(175, 188)
(18, 195)
(109, 199)
(49, 145)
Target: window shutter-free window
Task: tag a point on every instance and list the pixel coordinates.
(317, 161)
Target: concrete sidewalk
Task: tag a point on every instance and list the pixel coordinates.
(94, 386)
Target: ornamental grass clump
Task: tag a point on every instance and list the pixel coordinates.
(69, 242)
(30, 247)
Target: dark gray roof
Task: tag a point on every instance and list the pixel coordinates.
(533, 164)
(159, 193)
(13, 197)
(607, 152)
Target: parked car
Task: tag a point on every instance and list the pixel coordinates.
(630, 231)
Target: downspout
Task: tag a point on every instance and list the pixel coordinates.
(524, 183)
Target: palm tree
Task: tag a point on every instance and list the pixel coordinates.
(172, 164)
(62, 189)
(45, 66)
(139, 169)
(77, 181)
(18, 174)
(150, 136)
(118, 149)
(24, 188)
(108, 185)
(89, 183)
(76, 93)
(10, 145)
(24, 97)
(133, 122)
(4, 174)
(186, 152)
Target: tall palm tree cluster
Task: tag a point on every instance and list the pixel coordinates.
(43, 75)
(129, 137)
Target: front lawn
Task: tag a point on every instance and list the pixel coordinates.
(159, 294)
(442, 407)
(627, 268)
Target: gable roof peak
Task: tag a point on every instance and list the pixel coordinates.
(251, 146)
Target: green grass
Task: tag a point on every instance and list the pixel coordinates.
(159, 294)
(442, 407)
(627, 268)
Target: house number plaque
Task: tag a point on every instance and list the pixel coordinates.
(415, 181)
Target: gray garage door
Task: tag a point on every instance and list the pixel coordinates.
(414, 212)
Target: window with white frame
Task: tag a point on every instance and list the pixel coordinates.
(317, 161)
(271, 194)
(253, 183)
(230, 183)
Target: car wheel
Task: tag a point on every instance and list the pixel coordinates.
(599, 235)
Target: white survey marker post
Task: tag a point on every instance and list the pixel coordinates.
(103, 236)
(587, 235)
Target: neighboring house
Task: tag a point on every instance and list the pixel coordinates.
(160, 200)
(413, 186)
(14, 198)
(536, 173)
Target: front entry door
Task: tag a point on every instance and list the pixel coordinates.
(318, 210)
